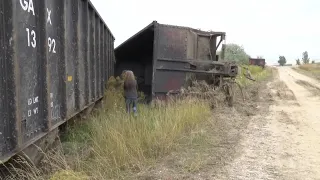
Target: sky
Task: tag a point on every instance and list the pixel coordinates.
(267, 28)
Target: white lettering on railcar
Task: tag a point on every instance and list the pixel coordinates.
(49, 16)
(36, 110)
(33, 100)
(33, 34)
(52, 45)
(55, 113)
(36, 100)
(55, 109)
(27, 6)
(29, 101)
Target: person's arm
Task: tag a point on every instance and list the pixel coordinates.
(124, 89)
(137, 89)
(137, 85)
(124, 86)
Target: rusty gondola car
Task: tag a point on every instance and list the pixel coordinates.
(163, 57)
(257, 62)
(55, 59)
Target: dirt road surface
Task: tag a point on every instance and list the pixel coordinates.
(284, 144)
(274, 134)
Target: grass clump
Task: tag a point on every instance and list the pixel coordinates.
(68, 175)
(257, 72)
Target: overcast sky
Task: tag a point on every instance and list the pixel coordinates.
(267, 28)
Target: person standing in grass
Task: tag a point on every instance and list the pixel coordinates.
(130, 92)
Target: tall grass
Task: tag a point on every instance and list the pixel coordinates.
(310, 67)
(312, 70)
(122, 143)
(112, 144)
(126, 144)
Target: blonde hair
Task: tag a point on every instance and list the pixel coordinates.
(129, 75)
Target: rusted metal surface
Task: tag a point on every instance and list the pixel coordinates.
(55, 59)
(163, 57)
(257, 62)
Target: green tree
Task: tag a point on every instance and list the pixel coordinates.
(282, 60)
(298, 61)
(234, 52)
(313, 62)
(305, 57)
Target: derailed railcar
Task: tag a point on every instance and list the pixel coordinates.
(55, 59)
(164, 57)
(257, 61)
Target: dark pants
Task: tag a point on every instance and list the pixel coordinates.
(133, 102)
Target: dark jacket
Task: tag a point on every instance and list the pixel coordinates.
(130, 89)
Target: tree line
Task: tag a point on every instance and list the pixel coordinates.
(235, 53)
(305, 59)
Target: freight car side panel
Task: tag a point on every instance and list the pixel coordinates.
(53, 54)
(7, 89)
(97, 57)
(55, 59)
(112, 58)
(2, 82)
(92, 56)
(83, 55)
(107, 68)
(30, 77)
(172, 45)
(102, 50)
(71, 20)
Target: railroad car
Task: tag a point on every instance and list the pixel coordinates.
(55, 59)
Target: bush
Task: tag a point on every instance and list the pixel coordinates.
(257, 72)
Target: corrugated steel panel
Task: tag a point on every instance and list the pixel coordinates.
(55, 58)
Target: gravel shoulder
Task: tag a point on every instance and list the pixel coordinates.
(284, 143)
